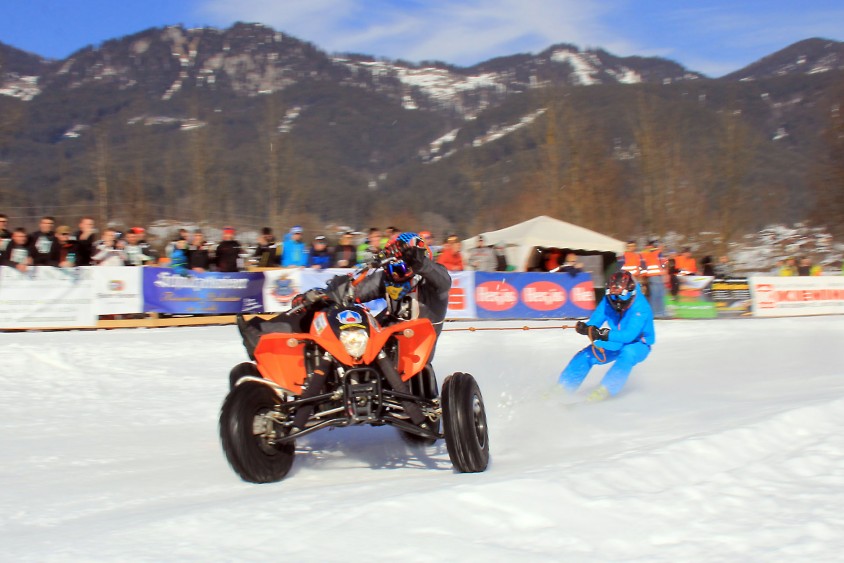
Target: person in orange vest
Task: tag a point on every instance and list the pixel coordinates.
(654, 274)
(631, 260)
(686, 264)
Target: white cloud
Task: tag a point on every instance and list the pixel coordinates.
(715, 37)
(457, 31)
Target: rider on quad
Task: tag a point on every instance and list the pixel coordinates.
(413, 285)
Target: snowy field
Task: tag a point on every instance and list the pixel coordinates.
(726, 445)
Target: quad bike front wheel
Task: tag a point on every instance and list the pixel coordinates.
(464, 423)
(248, 434)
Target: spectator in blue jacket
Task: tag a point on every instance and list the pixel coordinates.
(294, 252)
(319, 256)
(627, 343)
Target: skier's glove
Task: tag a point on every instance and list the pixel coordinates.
(596, 333)
(581, 328)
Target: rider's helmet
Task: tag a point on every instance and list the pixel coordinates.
(621, 290)
(413, 240)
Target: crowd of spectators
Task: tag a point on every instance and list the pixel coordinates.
(191, 250)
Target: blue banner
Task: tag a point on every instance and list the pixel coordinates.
(533, 295)
(207, 293)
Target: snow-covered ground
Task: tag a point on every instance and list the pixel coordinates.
(727, 445)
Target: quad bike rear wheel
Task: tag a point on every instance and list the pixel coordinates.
(464, 422)
(423, 385)
(248, 434)
(244, 369)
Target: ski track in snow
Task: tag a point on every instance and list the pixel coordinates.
(725, 445)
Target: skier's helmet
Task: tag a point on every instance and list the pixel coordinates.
(621, 289)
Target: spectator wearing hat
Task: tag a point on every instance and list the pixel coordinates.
(179, 242)
(319, 256)
(136, 250)
(43, 244)
(227, 253)
(345, 253)
(18, 253)
(68, 247)
(450, 256)
(294, 253)
(267, 252)
(482, 257)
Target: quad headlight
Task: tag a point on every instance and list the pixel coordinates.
(354, 341)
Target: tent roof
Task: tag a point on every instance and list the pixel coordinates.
(547, 231)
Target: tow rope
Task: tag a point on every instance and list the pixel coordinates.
(600, 354)
(476, 329)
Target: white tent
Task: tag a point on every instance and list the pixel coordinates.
(522, 238)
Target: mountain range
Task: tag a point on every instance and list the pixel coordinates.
(254, 126)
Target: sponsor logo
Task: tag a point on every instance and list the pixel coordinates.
(583, 296)
(496, 296)
(765, 296)
(320, 323)
(116, 285)
(349, 318)
(543, 296)
(283, 290)
(456, 296)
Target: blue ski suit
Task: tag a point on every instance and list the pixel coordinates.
(630, 339)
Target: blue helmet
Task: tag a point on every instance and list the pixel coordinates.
(621, 290)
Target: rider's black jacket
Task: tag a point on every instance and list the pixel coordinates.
(432, 285)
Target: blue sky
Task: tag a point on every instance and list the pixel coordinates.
(710, 36)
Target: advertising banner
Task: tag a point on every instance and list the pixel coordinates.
(533, 295)
(207, 293)
(44, 297)
(117, 290)
(731, 297)
(793, 296)
(461, 296)
(694, 299)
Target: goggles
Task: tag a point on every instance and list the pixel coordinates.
(399, 271)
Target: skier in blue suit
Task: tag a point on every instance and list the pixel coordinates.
(627, 342)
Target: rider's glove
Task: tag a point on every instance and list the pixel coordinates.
(581, 328)
(395, 248)
(413, 257)
(308, 298)
(314, 295)
(596, 333)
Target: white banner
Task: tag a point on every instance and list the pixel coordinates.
(280, 287)
(794, 296)
(44, 297)
(118, 290)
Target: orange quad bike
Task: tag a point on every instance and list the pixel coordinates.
(345, 369)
